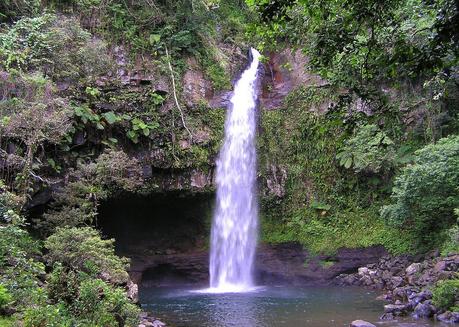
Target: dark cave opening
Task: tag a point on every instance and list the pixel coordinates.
(166, 274)
(156, 224)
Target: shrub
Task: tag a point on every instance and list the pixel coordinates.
(445, 294)
(5, 297)
(91, 301)
(101, 304)
(76, 204)
(10, 9)
(82, 249)
(425, 193)
(19, 272)
(451, 244)
(32, 117)
(370, 150)
(50, 315)
(59, 47)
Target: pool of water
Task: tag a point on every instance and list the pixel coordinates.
(268, 307)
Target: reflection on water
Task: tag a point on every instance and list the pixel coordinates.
(268, 307)
(227, 312)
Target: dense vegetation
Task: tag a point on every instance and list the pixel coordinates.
(392, 95)
(87, 87)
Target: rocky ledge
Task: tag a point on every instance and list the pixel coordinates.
(148, 321)
(406, 282)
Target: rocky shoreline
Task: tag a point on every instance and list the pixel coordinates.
(406, 283)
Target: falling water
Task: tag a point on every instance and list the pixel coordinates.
(234, 227)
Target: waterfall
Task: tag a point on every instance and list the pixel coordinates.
(234, 226)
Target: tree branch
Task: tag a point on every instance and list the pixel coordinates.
(175, 94)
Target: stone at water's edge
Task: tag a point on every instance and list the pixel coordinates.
(406, 281)
(148, 321)
(449, 317)
(361, 323)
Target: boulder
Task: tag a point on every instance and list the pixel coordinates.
(396, 309)
(361, 323)
(424, 310)
(449, 317)
(387, 316)
(132, 291)
(413, 268)
(396, 281)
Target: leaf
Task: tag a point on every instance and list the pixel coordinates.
(146, 131)
(387, 141)
(133, 136)
(99, 126)
(348, 163)
(320, 206)
(154, 38)
(111, 117)
(51, 162)
(153, 125)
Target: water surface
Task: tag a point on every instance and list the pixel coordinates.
(269, 307)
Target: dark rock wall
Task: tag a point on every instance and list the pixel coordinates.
(275, 264)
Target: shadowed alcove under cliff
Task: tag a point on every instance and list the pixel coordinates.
(156, 224)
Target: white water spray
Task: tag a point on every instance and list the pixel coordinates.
(234, 227)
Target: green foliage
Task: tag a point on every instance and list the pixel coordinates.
(91, 301)
(36, 117)
(139, 127)
(76, 204)
(182, 26)
(446, 294)
(451, 244)
(326, 264)
(86, 115)
(370, 150)
(11, 9)
(100, 304)
(7, 321)
(60, 48)
(85, 270)
(78, 291)
(20, 273)
(425, 193)
(357, 43)
(324, 207)
(52, 315)
(5, 297)
(82, 249)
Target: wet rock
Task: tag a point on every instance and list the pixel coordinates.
(396, 309)
(406, 284)
(416, 298)
(275, 180)
(387, 316)
(146, 320)
(361, 323)
(396, 281)
(132, 291)
(200, 179)
(448, 317)
(220, 100)
(285, 262)
(413, 269)
(424, 310)
(202, 136)
(284, 72)
(196, 88)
